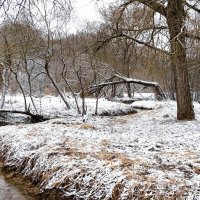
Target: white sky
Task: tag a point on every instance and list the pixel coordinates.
(83, 10)
(86, 10)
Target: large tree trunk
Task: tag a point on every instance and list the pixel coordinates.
(128, 85)
(5, 83)
(175, 20)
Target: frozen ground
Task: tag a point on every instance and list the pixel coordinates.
(148, 155)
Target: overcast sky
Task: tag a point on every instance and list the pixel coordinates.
(83, 10)
(87, 10)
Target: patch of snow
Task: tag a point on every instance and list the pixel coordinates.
(149, 153)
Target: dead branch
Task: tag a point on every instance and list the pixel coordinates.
(35, 118)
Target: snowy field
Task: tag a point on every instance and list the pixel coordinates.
(148, 155)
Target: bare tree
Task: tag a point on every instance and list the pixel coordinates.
(50, 17)
(5, 71)
(55, 17)
(161, 26)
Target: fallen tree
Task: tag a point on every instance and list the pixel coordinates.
(127, 110)
(115, 82)
(120, 80)
(34, 118)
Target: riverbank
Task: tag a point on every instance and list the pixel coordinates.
(19, 187)
(15, 186)
(149, 154)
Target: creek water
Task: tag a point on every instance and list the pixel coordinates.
(10, 192)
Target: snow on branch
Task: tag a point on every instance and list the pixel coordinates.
(117, 80)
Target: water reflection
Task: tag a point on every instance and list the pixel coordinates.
(9, 192)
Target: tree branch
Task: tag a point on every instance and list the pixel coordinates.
(191, 36)
(145, 44)
(154, 6)
(192, 7)
(102, 43)
(146, 28)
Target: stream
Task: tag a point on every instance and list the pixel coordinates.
(10, 192)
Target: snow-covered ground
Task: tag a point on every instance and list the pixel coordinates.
(148, 155)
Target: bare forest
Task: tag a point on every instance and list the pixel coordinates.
(156, 41)
(137, 50)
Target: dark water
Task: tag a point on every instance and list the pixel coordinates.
(10, 192)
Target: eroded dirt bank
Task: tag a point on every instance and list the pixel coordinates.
(14, 186)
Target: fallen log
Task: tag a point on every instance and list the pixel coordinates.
(124, 80)
(118, 112)
(34, 118)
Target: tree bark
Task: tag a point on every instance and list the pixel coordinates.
(5, 83)
(55, 85)
(175, 19)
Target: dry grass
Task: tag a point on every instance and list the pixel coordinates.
(87, 126)
(104, 143)
(117, 190)
(144, 184)
(68, 151)
(182, 154)
(124, 160)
